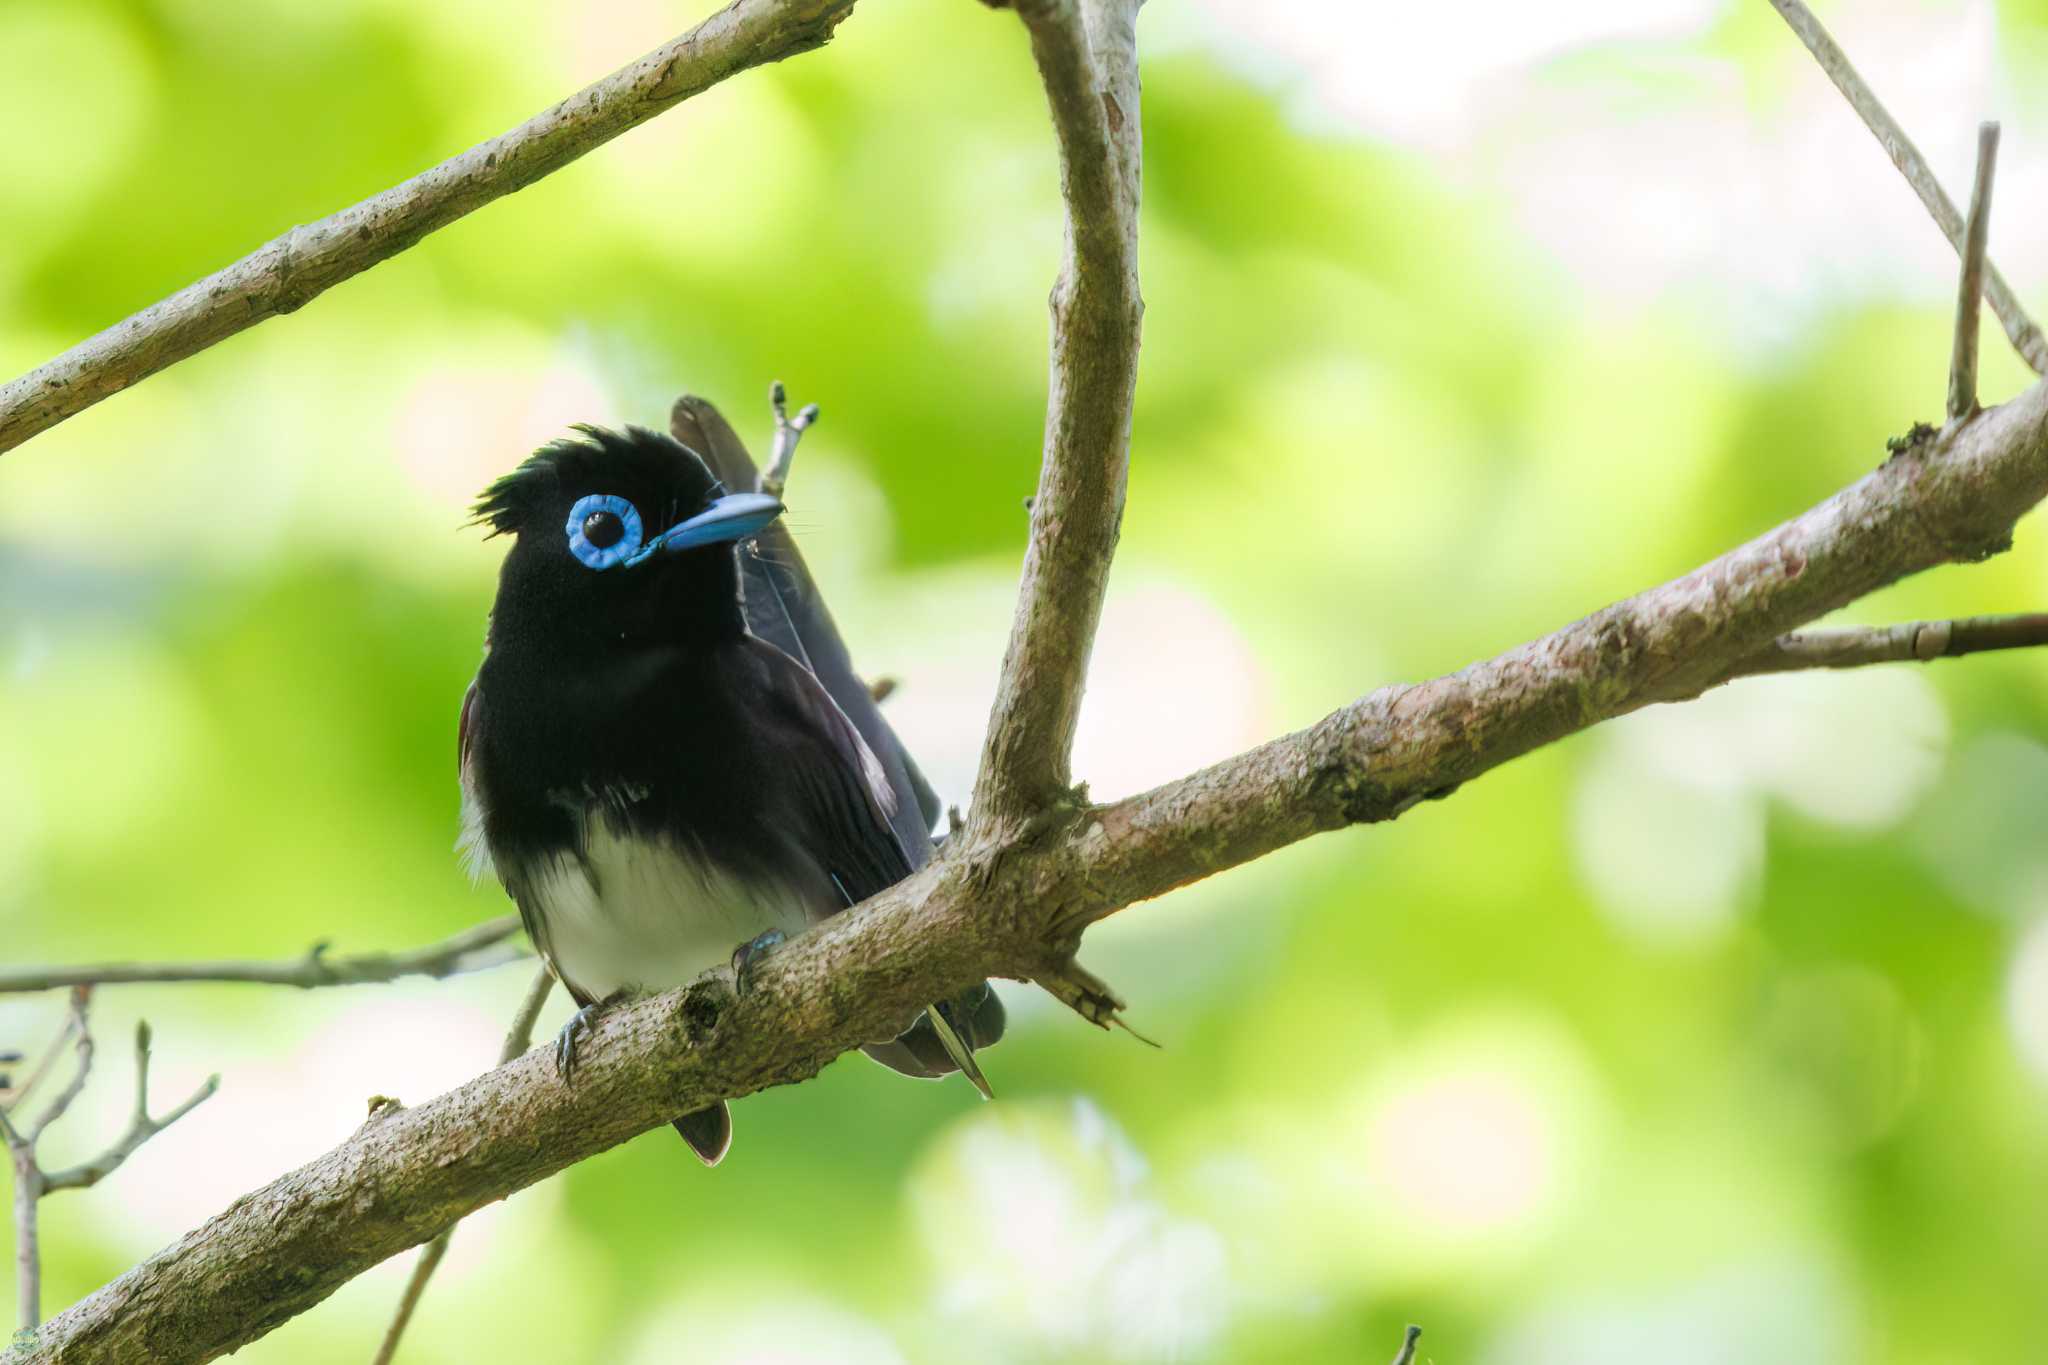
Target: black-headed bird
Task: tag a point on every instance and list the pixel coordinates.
(660, 789)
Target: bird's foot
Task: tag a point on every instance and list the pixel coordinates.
(572, 1033)
(744, 957)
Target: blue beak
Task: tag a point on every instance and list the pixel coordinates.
(732, 517)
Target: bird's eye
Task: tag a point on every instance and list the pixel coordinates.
(603, 529)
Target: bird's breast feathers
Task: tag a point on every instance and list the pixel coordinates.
(637, 911)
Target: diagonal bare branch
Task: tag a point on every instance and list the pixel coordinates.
(1942, 498)
(474, 949)
(1087, 56)
(285, 274)
(80, 1031)
(518, 1038)
(2025, 336)
(1962, 369)
(14, 1096)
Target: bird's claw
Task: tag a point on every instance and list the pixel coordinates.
(565, 1042)
(578, 1025)
(744, 957)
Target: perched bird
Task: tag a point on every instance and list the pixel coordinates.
(657, 787)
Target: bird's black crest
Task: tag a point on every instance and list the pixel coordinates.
(599, 461)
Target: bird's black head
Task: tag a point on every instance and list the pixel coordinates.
(620, 539)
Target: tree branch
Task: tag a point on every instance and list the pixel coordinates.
(14, 1095)
(141, 1127)
(1914, 641)
(1941, 498)
(518, 1038)
(307, 261)
(1087, 55)
(474, 949)
(1016, 909)
(2025, 336)
(1962, 369)
(79, 1028)
(32, 1183)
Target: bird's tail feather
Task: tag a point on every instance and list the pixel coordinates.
(708, 1131)
(974, 1020)
(962, 1055)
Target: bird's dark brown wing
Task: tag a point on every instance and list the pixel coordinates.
(844, 812)
(784, 607)
(841, 800)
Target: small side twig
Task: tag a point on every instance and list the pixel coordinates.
(518, 1038)
(1962, 369)
(31, 1182)
(1406, 1355)
(12, 1096)
(2026, 337)
(788, 431)
(141, 1126)
(1912, 641)
(1089, 996)
(473, 949)
(79, 1030)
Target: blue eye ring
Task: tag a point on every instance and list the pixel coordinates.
(619, 551)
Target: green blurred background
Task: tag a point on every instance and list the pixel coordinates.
(1719, 1035)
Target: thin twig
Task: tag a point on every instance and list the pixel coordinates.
(1086, 52)
(80, 1030)
(415, 1285)
(788, 431)
(1962, 369)
(2026, 337)
(1406, 1354)
(1922, 641)
(474, 949)
(308, 260)
(31, 1182)
(141, 1127)
(19, 1094)
(28, 1254)
(518, 1038)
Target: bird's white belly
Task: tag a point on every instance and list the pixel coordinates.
(645, 916)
